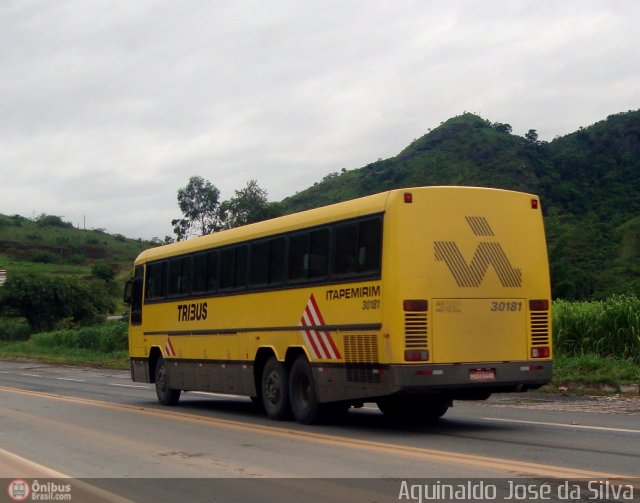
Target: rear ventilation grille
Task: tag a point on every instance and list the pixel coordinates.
(415, 331)
(540, 328)
(361, 358)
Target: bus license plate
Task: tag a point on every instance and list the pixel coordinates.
(482, 375)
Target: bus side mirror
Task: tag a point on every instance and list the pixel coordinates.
(128, 292)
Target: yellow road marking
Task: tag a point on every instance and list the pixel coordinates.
(520, 468)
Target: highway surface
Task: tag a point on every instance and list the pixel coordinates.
(98, 426)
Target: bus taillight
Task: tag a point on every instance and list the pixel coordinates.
(415, 305)
(415, 355)
(542, 352)
(539, 305)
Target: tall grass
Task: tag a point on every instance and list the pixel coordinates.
(607, 328)
(109, 337)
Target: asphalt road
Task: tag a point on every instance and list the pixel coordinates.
(98, 426)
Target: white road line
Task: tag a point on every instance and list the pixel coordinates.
(30, 375)
(128, 385)
(70, 379)
(79, 488)
(4, 371)
(562, 425)
(219, 395)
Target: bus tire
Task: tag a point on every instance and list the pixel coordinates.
(302, 392)
(275, 389)
(166, 395)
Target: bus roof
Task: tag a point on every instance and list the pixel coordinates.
(338, 211)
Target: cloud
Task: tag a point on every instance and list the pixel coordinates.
(107, 108)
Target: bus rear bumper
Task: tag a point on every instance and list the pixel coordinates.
(498, 376)
(461, 381)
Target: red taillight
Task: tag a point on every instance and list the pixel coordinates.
(415, 305)
(408, 197)
(414, 355)
(534, 204)
(539, 305)
(542, 352)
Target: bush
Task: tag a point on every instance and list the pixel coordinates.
(103, 272)
(14, 329)
(44, 257)
(605, 328)
(45, 301)
(105, 338)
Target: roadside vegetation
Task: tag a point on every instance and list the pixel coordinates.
(104, 344)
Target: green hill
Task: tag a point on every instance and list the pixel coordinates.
(589, 182)
(49, 245)
(49, 248)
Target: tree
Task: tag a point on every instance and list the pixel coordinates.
(247, 206)
(532, 137)
(199, 203)
(502, 128)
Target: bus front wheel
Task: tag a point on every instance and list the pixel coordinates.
(275, 389)
(166, 395)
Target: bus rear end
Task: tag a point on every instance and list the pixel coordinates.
(468, 281)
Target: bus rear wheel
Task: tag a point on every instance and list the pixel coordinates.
(275, 389)
(302, 392)
(166, 395)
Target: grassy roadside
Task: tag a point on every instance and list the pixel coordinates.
(64, 356)
(102, 345)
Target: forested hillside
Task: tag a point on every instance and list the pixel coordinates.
(589, 182)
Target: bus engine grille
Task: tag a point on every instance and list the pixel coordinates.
(415, 331)
(361, 357)
(540, 328)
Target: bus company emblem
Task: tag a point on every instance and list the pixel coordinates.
(318, 342)
(488, 253)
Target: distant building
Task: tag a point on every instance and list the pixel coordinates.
(3, 276)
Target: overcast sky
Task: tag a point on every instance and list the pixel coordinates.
(108, 107)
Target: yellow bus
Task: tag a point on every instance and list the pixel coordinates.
(409, 298)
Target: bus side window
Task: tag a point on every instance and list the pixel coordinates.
(227, 267)
(345, 260)
(233, 267)
(136, 296)
(276, 260)
(212, 271)
(318, 265)
(259, 263)
(299, 256)
(370, 245)
(241, 272)
(156, 281)
(180, 276)
(200, 273)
